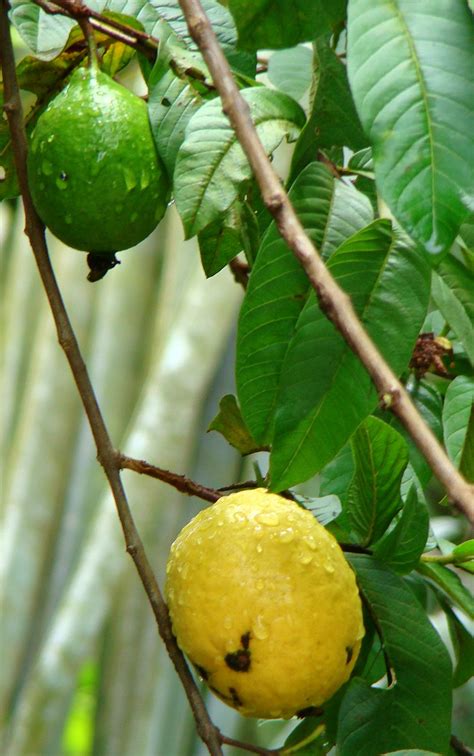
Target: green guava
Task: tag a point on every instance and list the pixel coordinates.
(95, 177)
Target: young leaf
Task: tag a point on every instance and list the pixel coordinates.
(450, 584)
(402, 547)
(458, 404)
(380, 456)
(410, 68)
(388, 284)
(229, 422)
(453, 294)
(330, 212)
(273, 24)
(333, 120)
(211, 165)
(415, 710)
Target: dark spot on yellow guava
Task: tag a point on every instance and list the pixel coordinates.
(239, 660)
(235, 697)
(349, 654)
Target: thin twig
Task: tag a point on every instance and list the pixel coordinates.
(333, 300)
(248, 746)
(180, 482)
(67, 339)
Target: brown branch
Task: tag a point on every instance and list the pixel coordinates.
(333, 300)
(241, 271)
(180, 482)
(67, 339)
(146, 43)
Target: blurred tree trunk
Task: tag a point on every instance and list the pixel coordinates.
(154, 334)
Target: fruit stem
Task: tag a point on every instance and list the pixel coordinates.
(92, 57)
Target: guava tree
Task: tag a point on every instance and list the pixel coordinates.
(354, 356)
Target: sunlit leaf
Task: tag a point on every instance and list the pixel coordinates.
(330, 212)
(388, 284)
(410, 67)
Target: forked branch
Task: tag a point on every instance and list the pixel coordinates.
(332, 299)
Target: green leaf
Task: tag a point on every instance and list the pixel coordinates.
(336, 477)
(45, 35)
(362, 162)
(274, 24)
(429, 403)
(467, 460)
(402, 547)
(45, 77)
(464, 550)
(211, 165)
(450, 584)
(330, 212)
(466, 233)
(218, 244)
(172, 103)
(290, 70)
(463, 644)
(333, 120)
(230, 424)
(457, 408)
(410, 68)
(415, 711)
(380, 455)
(453, 293)
(388, 284)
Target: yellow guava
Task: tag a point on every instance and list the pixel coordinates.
(94, 173)
(264, 604)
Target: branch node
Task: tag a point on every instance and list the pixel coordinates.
(389, 399)
(274, 202)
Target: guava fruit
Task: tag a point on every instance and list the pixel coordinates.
(264, 604)
(95, 177)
